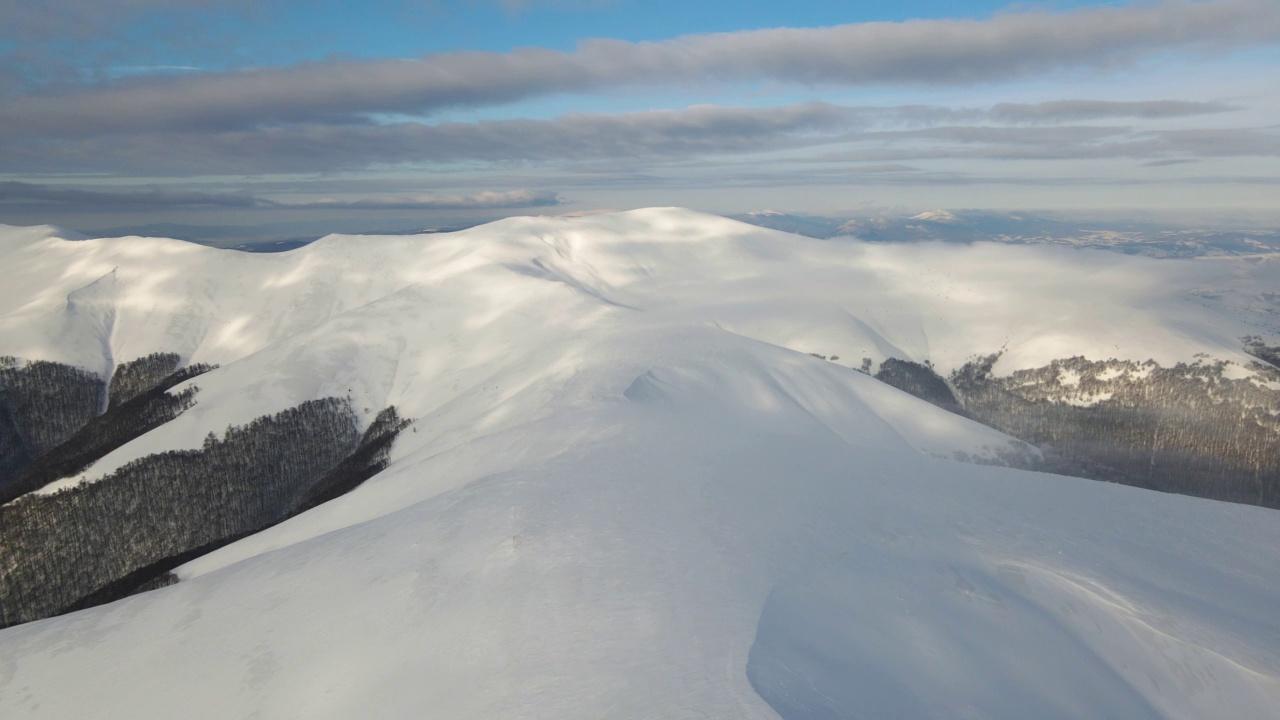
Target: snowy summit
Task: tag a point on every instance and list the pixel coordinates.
(629, 489)
(938, 216)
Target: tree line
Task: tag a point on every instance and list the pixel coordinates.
(42, 404)
(132, 411)
(98, 541)
(60, 548)
(1190, 428)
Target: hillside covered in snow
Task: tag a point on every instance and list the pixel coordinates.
(648, 464)
(1154, 237)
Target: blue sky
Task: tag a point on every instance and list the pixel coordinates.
(284, 33)
(200, 110)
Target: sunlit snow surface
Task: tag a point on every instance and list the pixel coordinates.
(630, 493)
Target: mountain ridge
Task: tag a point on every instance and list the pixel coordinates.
(629, 490)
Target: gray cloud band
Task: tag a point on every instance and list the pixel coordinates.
(924, 52)
(480, 201)
(12, 193)
(647, 137)
(316, 147)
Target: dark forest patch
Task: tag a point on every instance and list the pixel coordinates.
(131, 379)
(99, 541)
(1186, 429)
(137, 410)
(42, 404)
(1257, 348)
(920, 380)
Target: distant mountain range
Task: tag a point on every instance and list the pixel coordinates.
(273, 237)
(1137, 237)
(1153, 239)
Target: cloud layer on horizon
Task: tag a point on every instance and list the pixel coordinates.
(654, 136)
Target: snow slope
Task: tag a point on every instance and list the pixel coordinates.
(630, 493)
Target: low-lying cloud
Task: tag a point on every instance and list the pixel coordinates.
(29, 193)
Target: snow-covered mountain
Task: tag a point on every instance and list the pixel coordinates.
(628, 489)
(1155, 237)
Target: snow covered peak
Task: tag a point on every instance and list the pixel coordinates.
(848, 299)
(629, 490)
(938, 216)
(14, 236)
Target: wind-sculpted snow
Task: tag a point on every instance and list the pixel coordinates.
(629, 491)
